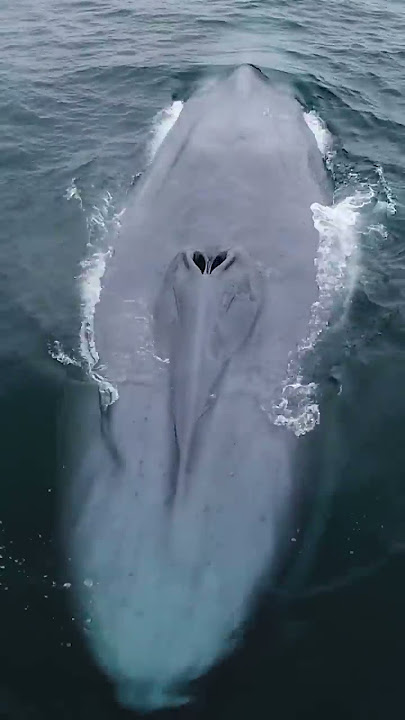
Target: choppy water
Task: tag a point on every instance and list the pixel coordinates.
(81, 88)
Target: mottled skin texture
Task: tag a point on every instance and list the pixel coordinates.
(181, 493)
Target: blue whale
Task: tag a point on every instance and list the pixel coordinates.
(181, 491)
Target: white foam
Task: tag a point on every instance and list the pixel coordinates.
(323, 136)
(337, 262)
(390, 203)
(162, 124)
(57, 352)
(72, 192)
(102, 222)
(337, 268)
(99, 222)
(298, 409)
(93, 269)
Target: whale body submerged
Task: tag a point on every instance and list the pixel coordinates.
(181, 491)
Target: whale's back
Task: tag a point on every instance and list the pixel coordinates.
(182, 491)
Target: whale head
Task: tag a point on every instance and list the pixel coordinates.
(205, 314)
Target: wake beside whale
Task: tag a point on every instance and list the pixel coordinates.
(181, 492)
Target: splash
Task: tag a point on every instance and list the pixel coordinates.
(103, 224)
(337, 266)
(337, 263)
(297, 409)
(390, 202)
(58, 353)
(338, 259)
(323, 137)
(72, 192)
(162, 125)
(93, 269)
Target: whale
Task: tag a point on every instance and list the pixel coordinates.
(180, 489)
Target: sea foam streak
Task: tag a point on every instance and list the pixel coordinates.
(162, 124)
(337, 267)
(323, 137)
(106, 222)
(103, 224)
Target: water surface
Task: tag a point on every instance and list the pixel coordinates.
(82, 84)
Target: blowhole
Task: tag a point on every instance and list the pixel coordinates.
(199, 260)
(218, 260)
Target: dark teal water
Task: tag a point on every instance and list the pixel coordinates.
(81, 84)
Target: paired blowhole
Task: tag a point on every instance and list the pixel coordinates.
(207, 264)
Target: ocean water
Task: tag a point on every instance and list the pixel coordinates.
(87, 92)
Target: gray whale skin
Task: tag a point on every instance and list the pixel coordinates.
(181, 493)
